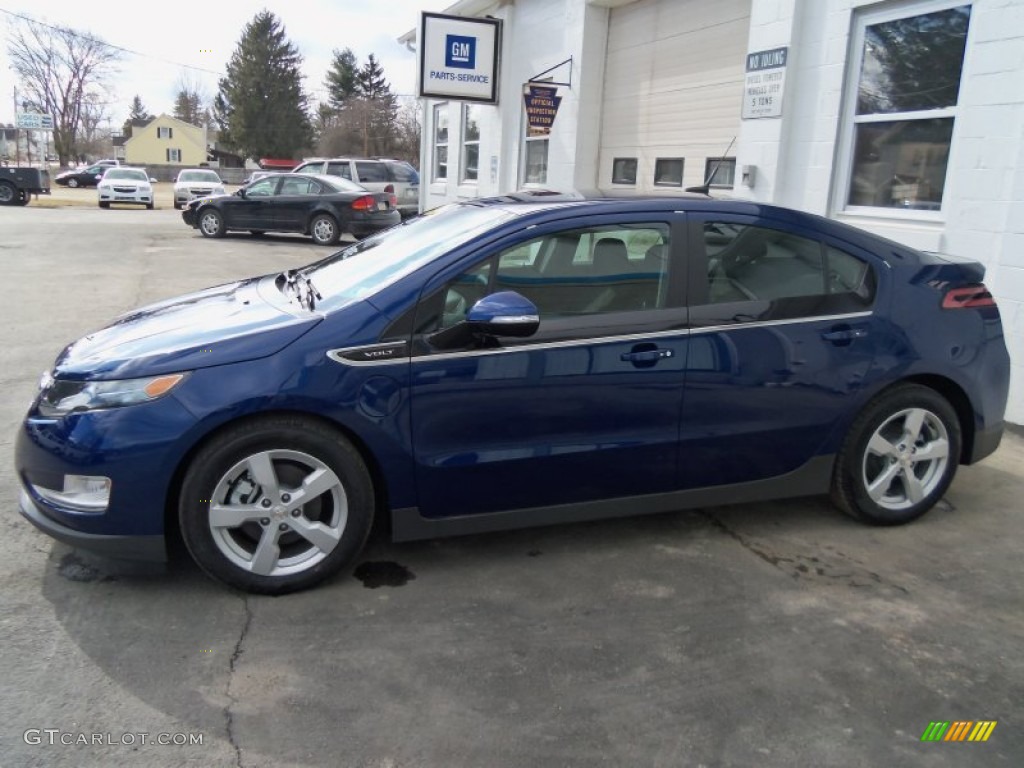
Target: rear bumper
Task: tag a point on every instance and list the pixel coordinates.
(363, 225)
(144, 548)
(985, 443)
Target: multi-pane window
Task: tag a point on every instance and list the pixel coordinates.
(668, 172)
(173, 155)
(720, 171)
(440, 142)
(470, 142)
(164, 132)
(903, 106)
(536, 160)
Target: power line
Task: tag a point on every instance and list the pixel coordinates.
(91, 39)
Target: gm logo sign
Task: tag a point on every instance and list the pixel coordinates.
(460, 52)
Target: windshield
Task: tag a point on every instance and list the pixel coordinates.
(126, 173)
(367, 267)
(199, 176)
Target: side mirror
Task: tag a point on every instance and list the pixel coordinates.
(504, 314)
(153, 180)
(240, 192)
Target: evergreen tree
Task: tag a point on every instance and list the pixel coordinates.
(380, 108)
(138, 110)
(260, 105)
(341, 81)
(190, 103)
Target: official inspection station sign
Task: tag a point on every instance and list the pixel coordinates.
(541, 108)
(763, 85)
(459, 57)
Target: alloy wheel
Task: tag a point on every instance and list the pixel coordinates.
(906, 459)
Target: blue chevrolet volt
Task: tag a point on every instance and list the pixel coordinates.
(512, 362)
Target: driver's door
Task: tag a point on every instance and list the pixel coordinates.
(588, 408)
(256, 209)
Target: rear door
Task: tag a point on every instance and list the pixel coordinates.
(784, 332)
(587, 408)
(296, 198)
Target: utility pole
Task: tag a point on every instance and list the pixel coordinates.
(17, 149)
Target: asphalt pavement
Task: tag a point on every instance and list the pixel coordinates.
(775, 634)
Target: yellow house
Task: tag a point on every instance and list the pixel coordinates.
(165, 140)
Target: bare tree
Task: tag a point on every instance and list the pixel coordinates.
(191, 101)
(58, 67)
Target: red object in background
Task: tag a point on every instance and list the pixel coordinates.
(277, 164)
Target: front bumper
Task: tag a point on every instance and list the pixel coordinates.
(145, 548)
(136, 198)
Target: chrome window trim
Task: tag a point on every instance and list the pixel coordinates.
(336, 354)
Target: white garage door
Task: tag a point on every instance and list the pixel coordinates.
(673, 90)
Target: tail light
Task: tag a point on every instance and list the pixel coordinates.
(390, 188)
(364, 203)
(967, 297)
(393, 199)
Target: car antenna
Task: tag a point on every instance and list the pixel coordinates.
(705, 188)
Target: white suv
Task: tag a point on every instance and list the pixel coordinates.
(373, 174)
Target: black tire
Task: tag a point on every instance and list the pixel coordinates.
(899, 457)
(324, 229)
(177, 205)
(8, 193)
(149, 206)
(24, 198)
(211, 223)
(104, 204)
(73, 183)
(220, 472)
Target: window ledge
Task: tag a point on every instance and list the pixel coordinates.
(924, 234)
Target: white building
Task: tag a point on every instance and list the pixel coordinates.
(904, 117)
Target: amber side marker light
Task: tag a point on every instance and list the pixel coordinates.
(163, 384)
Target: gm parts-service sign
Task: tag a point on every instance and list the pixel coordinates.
(459, 57)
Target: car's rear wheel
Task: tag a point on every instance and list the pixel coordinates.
(899, 458)
(8, 193)
(73, 183)
(211, 223)
(276, 505)
(324, 230)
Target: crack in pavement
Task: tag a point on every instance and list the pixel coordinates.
(229, 720)
(805, 567)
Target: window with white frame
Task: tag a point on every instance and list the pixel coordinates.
(164, 132)
(173, 155)
(440, 170)
(902, 104)
(535, 160)
(470, 169)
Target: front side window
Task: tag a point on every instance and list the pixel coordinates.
(261, 188)
(905, 95)
(751, 263)
(619, 268)
(470, 142)
(440, 142)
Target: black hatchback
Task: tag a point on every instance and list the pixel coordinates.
(322, 207)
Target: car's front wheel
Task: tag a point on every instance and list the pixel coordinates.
(324, 230)
(177, 205)
(276, 505)
(211, 223)
(104, 204)
(899, 458)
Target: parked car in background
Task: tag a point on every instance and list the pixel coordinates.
(322, 207)
(256, 176)
(126, 185)
(17, 185)
(509, 362)
(192, 184)
(375, 174)
(81, 177)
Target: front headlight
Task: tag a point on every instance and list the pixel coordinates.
(219, 191)
(59, 397)
(104, 186)
(145, 188)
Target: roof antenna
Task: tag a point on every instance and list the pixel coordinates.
(705, 188)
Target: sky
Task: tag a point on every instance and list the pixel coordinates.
(169, 37)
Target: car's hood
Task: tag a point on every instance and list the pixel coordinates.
(226, 324)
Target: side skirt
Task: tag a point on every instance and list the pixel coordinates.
(812, 479)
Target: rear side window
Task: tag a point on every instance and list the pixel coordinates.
(751, 263)
(339, 169)
(402, 172)
(372, 172)
(315, 166)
